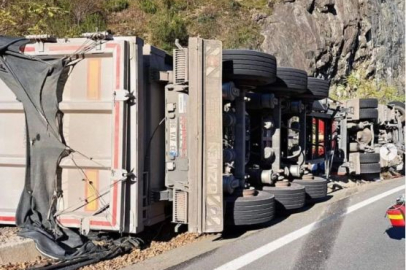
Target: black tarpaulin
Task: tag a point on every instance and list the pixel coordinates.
(38, 84)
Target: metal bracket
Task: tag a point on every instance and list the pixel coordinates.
(85, 226)
(163, 195)
(177, 87)
(119, 174)
(177, 226)
(344, 110)
(162, 76)
(121, 95)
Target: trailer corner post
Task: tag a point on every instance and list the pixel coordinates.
(205, 127)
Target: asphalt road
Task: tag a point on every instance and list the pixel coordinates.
(320, 237)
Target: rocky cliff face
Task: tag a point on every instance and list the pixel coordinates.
(330, 38)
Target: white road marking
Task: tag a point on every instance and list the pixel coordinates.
(284, 240)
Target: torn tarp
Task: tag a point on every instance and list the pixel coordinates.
(38, 84)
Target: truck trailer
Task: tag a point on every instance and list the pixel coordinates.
(206, 136)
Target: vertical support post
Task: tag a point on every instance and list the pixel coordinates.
(195, 144)
(276, 137)
(343, 142)
(205, 147)
(309, 138)
(212, 220)
(240, 134)
(327, 146)
(302, 135)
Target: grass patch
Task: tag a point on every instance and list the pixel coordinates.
(159, 22)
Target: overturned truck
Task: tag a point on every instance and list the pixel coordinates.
(368, 138)
(108, 133)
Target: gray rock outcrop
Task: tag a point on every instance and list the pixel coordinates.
(330, 38)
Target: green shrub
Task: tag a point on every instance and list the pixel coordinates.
(234, 5)
(174, 6)
(166, 30)
(206, 23)
(358, 85)
(243, 36)
(93, 22)
(255, 4)
(31, 18)
(117, 5)
(206, 18)
(148, 6)
(160, 22)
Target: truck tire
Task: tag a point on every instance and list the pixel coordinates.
(368, 113)
(289, 81)
(257, 209)
(315, 188)
(369, 158)
(370, 168)
(368, 103)
(249, 68)
(288, 198)
(400, 106)
(319, 88)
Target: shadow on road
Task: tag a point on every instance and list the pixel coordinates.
(231, 232)
(397, 233)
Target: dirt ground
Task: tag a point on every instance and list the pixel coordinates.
(8, 233)
(157, 241)
(155, 248)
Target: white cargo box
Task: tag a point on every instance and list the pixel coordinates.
(100, 123)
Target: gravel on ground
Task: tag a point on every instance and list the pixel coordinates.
(137, 255)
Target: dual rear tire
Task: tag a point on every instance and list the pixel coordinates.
(248, 68)
(288, 198)
(315, 188)
(368, 109)
(258, 209)
(369, 163)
